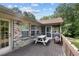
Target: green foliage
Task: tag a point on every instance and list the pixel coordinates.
(70, 15)
(75, 42)
(30, 15)
(16, 9)
(26, 14)
(47, 17)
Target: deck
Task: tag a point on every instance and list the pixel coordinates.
(39, 49)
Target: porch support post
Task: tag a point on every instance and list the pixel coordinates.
(12, 34)
(40, 30)
(45, 30)
(60, 32)
(60, 29)
(29, 29)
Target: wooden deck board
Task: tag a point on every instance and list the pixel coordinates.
(39, 50)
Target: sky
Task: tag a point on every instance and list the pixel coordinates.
(38, 9)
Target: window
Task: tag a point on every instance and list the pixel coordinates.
(56, 28)
(38, 30)
(33, 27)
(49, 29)
(43, 30)
(32, 33)
(4, 33)
(33, 30)
(48, 34)
(25, 33)
(24, 30)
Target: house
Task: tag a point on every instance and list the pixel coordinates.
(14, 26)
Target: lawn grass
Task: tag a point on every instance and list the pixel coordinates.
(75, 42)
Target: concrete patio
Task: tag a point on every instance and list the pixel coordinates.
(39, 49)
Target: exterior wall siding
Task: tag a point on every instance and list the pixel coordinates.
(19, 38)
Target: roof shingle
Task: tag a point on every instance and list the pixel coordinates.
(52, 21)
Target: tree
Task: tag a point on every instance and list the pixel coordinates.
(27, 14)
(66, 12)
(30, 15)
(47, 17)
(17, 10)
(70, 15)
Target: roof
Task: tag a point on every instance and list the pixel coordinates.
(53, 21)
(17, 16)
(10, 12)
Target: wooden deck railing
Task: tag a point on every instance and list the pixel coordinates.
(69, 49)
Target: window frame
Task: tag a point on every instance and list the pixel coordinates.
(24, 29)
(33, 29)
(36, 29)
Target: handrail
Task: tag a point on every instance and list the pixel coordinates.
(69, 49)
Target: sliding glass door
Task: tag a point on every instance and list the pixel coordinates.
(4, 33)
(48, 31)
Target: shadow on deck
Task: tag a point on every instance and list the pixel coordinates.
(39, 50)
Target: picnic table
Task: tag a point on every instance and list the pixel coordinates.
(42, 39)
